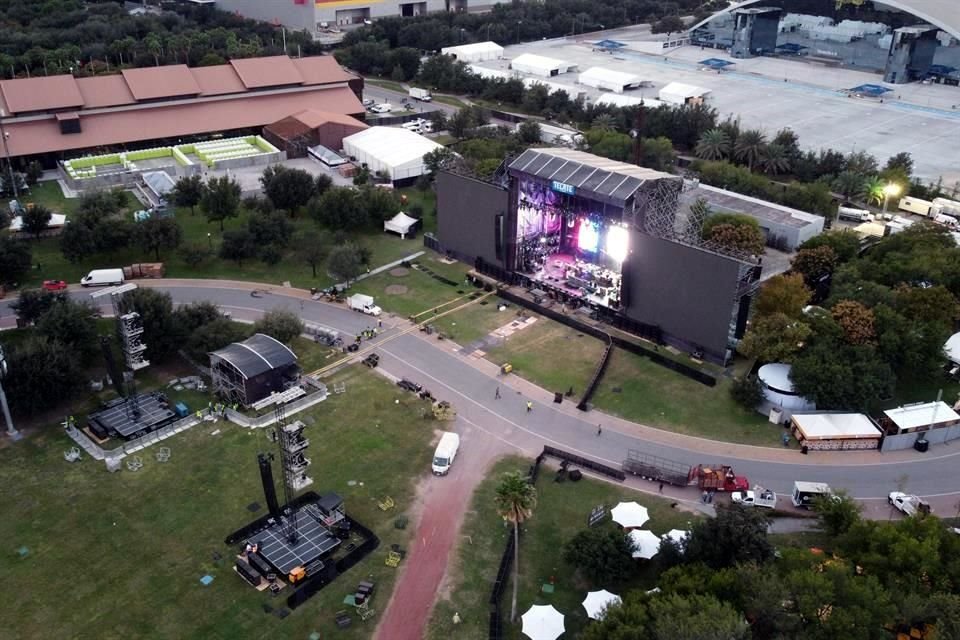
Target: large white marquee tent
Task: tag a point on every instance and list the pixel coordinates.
(609, 80)
(395, 150)
(620, 100)
(476, 52)
(540, 65)
(680, 93)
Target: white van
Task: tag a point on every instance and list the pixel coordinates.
(99, 277)
(947, 221)
(446, 453)
(857, 215)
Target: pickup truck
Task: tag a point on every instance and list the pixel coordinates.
(758, 497)
(908, 504)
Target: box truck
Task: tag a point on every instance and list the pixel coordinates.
(101, 277)
(364, 304)
(916, 205)
(446, 453)
(420, 94)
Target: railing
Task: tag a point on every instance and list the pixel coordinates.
(585, 463)
(584, 403)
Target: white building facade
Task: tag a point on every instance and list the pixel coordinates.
(309, 15)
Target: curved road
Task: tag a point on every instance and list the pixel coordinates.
(470, 385)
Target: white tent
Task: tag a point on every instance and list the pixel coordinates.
(490, 74)
(400, 223)
(395, 150)
(620, 100)
(542, 622)
(475, 52)
(646, 544)
(778, 388)
(597, 601)
(540, 65)
(677, 536)
(629, 515)
(680, 93)
(952, 348)
(56, 220)
(553, 87)
(609, 80)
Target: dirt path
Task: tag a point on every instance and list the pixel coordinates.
(442, 504)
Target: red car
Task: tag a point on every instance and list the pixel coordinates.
(54, 285)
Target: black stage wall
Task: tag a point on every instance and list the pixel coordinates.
(472, 219)
(687, 292)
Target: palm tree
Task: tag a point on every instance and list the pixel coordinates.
(848, 183)
(516, 499)
(872, 190)
(775, 159)
(713, 145)
(749, 147)
(604, 121)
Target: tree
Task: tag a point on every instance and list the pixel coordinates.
(774, 160)
(840, 376)
(749, 147)
(194, 254)
(214, 335)
(270, 230)
(735, 536)
(380, 204)
(775, 337)
(604, 122)
(42, 374)
(836, 512)
(338, 208)
(33, 303)
(73, 324)
(668, 24)
(311, 248)
(713, 145)
(658, 153)
(190, 317)
(189, 191)
(871, 190)
(848, 183)
(154, 234)
(603, 554)
(159, 328)
(238, 245)
(438, 158)
(36, 219)
(15, 260)
(696, 617)
(845, 244)
(288, 189)
(345, 262)
(738, 238)
(33, 173)
(516, 499)
(529, 132)
(747, 392)
(459, 123)
(814, 264)
(321, 183)
(902, 161)
(221, 200)
(282, 324)
(786, 294)
(856, 320)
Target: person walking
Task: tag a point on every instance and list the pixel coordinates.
(380, 324)
(496, 394)
(599, 430)
(529, 406)
(661, 487)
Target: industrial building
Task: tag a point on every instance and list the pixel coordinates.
(318, 15)
(298, 133)
(53, 117)
(596, 234)
(249, 371)
(919, 425)
(397, 151)
(906, 40)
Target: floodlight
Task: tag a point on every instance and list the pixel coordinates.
(589, 238)
(891, 189)
(618, 243)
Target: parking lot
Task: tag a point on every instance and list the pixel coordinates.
(771, 94)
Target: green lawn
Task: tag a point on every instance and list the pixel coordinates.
(121, 555)
(422, 291)
(476, 321)
(386, 84)
(561, 512)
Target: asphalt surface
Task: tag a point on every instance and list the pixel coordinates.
(471, 388)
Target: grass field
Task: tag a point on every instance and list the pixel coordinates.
(561, 512)
(422, 292)
(476, 321)
(121, 555)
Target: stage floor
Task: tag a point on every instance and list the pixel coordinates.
(554, 275)
(313, 543)
(154, 413)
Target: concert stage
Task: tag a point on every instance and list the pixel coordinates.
(564, 277)
(118, 419)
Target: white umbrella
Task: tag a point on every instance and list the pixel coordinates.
(542, 622)
(646, 544)
(629, 515)
(677, 536)
(597, 601)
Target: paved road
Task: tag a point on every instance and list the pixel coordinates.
(470, 385)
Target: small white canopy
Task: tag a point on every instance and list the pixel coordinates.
(56, 220)
(952, 348)
(677, 536)
(597, 601)
(646, 544)
(475, 52)
(608, 79)
(629, 515)
(400, 223)
(542, 622)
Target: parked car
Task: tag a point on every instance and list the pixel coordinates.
(368, 102)
(54, 285)
(383, 107)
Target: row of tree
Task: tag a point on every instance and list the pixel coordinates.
(883, 316)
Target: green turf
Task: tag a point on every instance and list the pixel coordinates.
(476, 322)
(386, 84)
(422, 293)
(561, 512)
(121, 555)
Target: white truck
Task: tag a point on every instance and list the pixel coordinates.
(364, 304)
(857, 215)
(908, 504)
(420, 94)
(758, 497)
(805, 493)
(916, 205)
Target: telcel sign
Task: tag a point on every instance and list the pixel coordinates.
(561, 187)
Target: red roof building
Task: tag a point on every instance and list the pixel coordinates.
(62, 115)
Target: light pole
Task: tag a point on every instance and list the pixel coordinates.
(519, 22)
(11, 430)
(210, 240)
(6, 151)
(890, 190)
